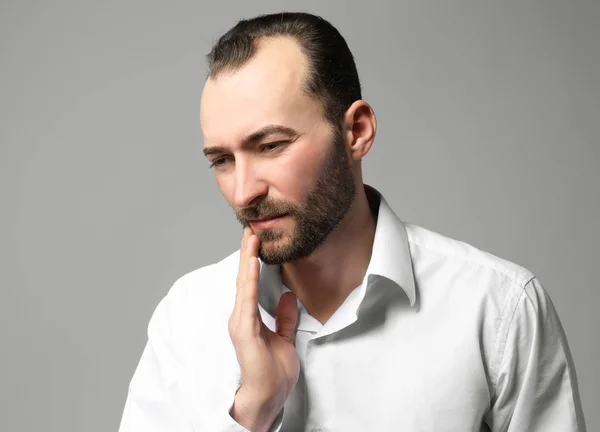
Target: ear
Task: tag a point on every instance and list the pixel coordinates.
(360, 127)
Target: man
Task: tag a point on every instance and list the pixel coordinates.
(335, 315)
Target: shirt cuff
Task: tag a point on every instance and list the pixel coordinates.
(232, 426)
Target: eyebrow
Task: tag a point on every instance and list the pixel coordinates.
(254, 137)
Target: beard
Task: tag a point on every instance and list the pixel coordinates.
(324, 208)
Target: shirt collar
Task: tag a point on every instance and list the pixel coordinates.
(390, 257)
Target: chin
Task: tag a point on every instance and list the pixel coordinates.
(274, 251)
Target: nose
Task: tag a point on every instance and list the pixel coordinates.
(249, 187)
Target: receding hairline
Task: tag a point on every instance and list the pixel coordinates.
(303, 80)
(232, 66)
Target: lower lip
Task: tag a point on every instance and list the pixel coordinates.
(267, 223)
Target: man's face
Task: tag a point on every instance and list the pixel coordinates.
(281, 167)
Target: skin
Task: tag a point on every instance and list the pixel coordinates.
(321, 213)
(253, 169)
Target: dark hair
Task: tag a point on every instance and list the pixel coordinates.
(332, 74)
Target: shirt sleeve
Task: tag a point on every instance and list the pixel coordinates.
(536, 384)
(157, 400)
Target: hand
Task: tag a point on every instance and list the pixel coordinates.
(268, 361)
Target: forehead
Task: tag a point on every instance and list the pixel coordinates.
(269, 89)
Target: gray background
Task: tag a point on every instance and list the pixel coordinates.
(489, 116)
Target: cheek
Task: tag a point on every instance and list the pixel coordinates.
(297, 173)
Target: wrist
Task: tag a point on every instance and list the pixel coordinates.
(255, 413)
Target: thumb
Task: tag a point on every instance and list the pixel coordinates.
(286, 316)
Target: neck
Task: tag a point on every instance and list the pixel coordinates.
(323, 280)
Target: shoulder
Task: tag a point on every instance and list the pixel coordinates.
(430, 246)
(200, 282)
(455, 268)
(193, 316)
(474, 287)
(203, 295)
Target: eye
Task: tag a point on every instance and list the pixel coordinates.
(269, 147)
(220, 161)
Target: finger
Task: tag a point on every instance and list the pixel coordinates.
(249, 291)
(241, 276)
(286, 316)
(244, 251)
(250, 251)
(252, 244)
(242, 269)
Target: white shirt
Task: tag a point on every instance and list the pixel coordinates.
(440, 336)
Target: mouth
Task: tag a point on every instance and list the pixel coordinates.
(266, 222)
